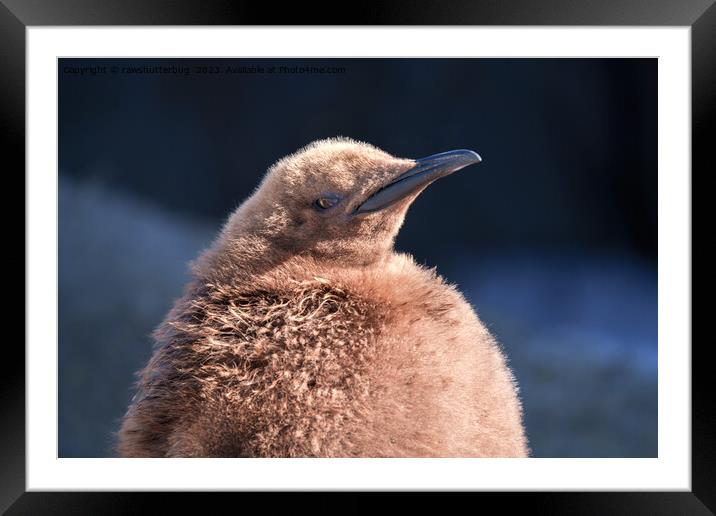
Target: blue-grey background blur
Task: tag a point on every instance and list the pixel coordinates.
(552, 237)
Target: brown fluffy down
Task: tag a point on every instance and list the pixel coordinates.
(308, 359)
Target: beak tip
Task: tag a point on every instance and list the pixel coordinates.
(478, 158)
(472, 156)
(462, 157)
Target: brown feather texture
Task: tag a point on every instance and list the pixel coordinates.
(304, 334)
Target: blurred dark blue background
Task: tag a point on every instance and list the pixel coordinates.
(552, 238)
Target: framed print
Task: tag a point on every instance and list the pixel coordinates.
(245, 257)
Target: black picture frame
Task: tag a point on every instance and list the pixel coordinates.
(17, 15)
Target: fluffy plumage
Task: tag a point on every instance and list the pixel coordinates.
(303, 337)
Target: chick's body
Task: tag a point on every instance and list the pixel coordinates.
(309, 357)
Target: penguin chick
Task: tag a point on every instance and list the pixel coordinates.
(304, 334)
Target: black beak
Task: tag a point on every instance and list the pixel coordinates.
(425, 171)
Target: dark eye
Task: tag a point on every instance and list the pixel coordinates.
(325, 202)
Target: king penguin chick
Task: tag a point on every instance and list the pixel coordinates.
(304, 334)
